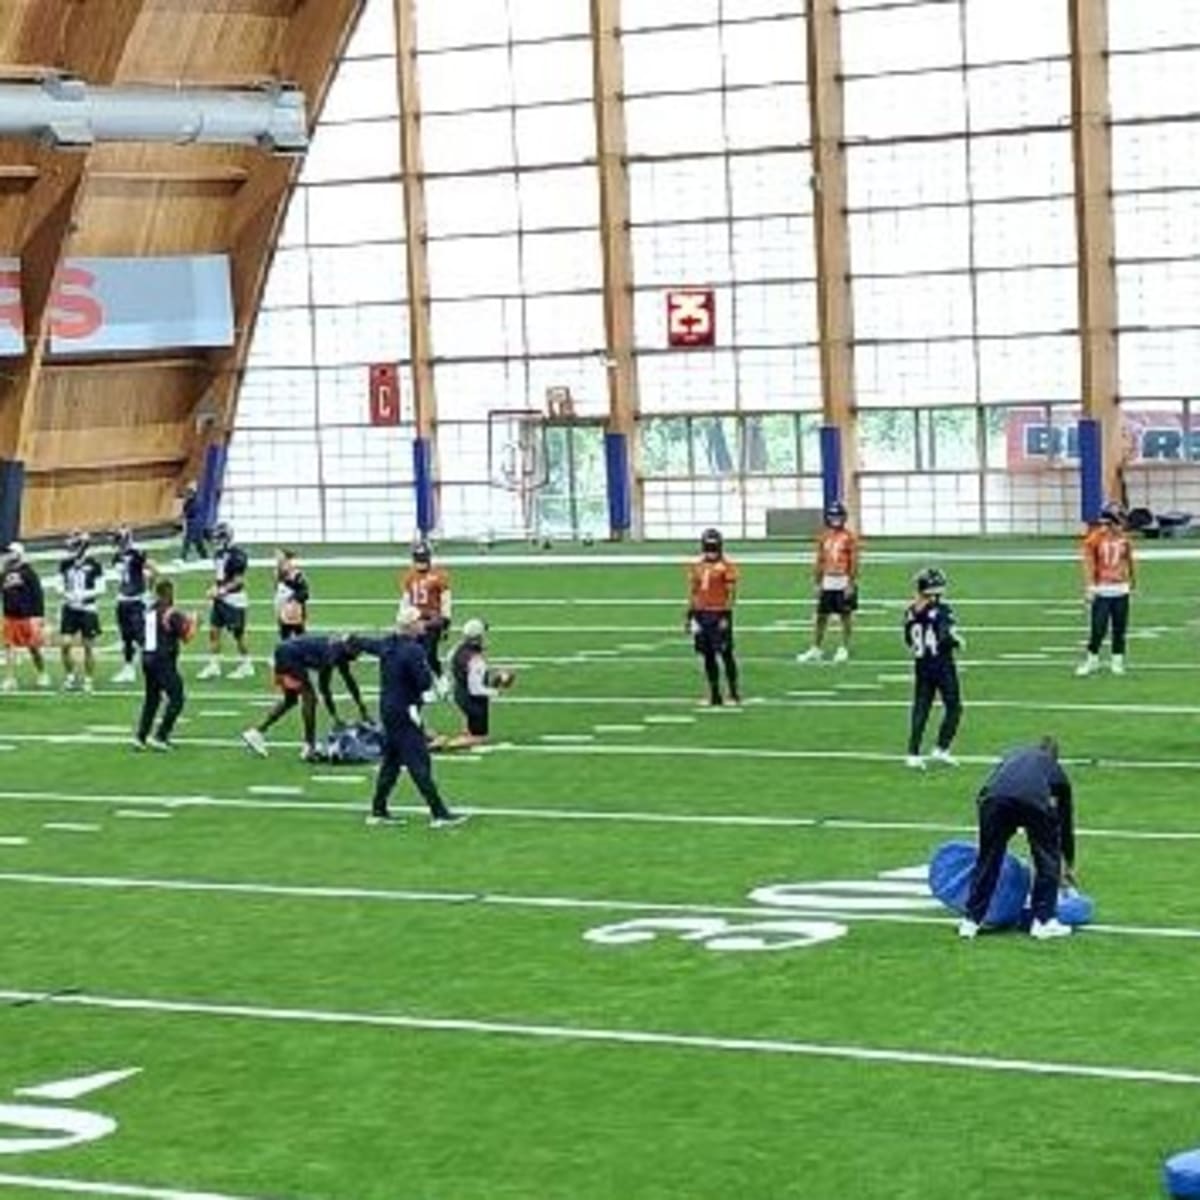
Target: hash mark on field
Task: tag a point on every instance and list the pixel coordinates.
(812, 695)
(669, 720)
(355, 779)
(618, 1037)
(215, 713)
(14, 841)
(71, 827)
(275, 789)
(141, 814)
(619, 728)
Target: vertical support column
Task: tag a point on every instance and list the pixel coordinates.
(1100, 439)
(835, 308)
(412, 165)
(624, 487)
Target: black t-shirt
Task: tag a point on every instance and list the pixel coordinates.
(166, 629)
(231, 564)
(130, 566)
(23, 598)
(929, 635)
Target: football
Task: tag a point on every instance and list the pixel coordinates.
(505, 679)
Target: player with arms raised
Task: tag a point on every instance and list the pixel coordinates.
(712, 593)
(835, 575)
(135, 574)
(1109, 579)
(81, 578)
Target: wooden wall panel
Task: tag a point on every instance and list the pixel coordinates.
(98, 500)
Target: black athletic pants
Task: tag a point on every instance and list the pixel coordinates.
(431, 639)
(405, 748)
(162, 678)
(131, 621)
(713, 641)
(1106, 611)
(999, 818)
(927, 686)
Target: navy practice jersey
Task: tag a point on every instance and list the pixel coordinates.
(930, 635)
(312, 653)
(23, 599)
(132, 576)
(82, 582)
(166, 628)
(231, 564)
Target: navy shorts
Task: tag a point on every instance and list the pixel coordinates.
(227, 616)
(840, 603)
(79, 622)
(714, 632)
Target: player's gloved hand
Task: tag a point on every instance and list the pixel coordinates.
(693, 626)
(414, 715)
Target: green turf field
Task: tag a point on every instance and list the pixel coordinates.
(610, 984)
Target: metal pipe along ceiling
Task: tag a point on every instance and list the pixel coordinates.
(69, 112)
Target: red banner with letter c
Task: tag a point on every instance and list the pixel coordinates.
(385, 394)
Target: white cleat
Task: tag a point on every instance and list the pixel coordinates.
(915, 762)
(1118, 664)
(255, 742)
(127, 674)
(811, 655)
(967, 929)
(942, 757)
(1089, 666)
(1053, 928)
(9, 685)
(841, 655)
(211, 670)
(44, 680)
(244, 670)
(88, 685)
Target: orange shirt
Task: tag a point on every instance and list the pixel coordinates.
(712, 585)
(425, 590)
(837, 556)
(1108, 560)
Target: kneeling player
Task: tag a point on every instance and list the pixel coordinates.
(24, 616)
(166, 628)
(836, 578)
(931, 637)
(294, 659)
(712, 592)
(82, 581)
(476, 685)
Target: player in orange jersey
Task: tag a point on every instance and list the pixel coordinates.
(1108, 576)
(427, 589)
(835, 575)
(712, 592)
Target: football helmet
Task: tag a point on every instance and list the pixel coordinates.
(78, 543)
(1112, 514)
(14, 555)
(123, 537)
(712, 545)
(422, 555)
(836, 515)
(931, 582)
(222, 535)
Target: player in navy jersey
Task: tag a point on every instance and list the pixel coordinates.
(135, 575)
(165, 629)
(932, 639)
(81, 580)
(24, 615)
(291, 596)
(229, 605)
(294, 658)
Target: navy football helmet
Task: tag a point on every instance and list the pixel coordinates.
(78, 543)
(931, 582)
(422, 555)
(222, 535)
(836, 515)
(1112, 514)
(712, 544)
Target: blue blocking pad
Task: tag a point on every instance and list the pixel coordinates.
(950, 881)
(1074, 908)
(1181, 1174)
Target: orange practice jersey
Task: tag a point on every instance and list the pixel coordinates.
(1108, 558)
(837, 554)
(425, 590)
(712, 585)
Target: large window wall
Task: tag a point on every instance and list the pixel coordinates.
(720, 196)
(963, 248)
(1154, 64)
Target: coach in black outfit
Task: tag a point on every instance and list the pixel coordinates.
(404, 677)
(1029, 790)
(166, 629)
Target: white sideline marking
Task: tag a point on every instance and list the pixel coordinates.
(355, 779)
(71, 827)
(14, 841)
(863, 909)
(74, 1089)
(140, 814)
(273, 789)
(626, 816)
(620, 1037)
(619, 728)
(91, 1187)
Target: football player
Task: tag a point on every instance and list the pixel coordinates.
(24, 616)
(1108, 580)
(712, 593)
(835, 575)
(81, 579)
(932, 639)
(291, 596)
(135, 575)
(476, 685)
(229, 604)
(294, 658)
(427, 589)
(165, 630)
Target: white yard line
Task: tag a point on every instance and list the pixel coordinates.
(71, 827)
(141, 814)
(270, 789)
(92, 1187)
(615, 816)
(850, 909)
(613, 1037)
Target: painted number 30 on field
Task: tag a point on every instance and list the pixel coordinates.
(715, 933)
